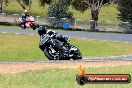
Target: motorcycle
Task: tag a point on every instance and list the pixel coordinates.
(30, 22)
(54, 49)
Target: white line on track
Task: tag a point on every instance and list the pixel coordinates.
(83, 38)
(3, 32)
(17, 33)
(30, 34)
(116, 41)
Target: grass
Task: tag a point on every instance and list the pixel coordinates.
(25, 48)
(107, 12)
(60, 78)
(5, 26)
(98, 48)
(19, 48)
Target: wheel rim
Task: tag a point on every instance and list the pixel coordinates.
(53, 53)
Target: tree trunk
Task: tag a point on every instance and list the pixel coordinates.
(93, 22)
(1, 8)
(30, 4)
(19, 2)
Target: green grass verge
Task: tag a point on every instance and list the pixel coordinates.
(25, 48)
(60, 78)
(107, 13)
(14, 27)
(6, 26)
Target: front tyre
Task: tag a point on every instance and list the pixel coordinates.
(77, 55)
(51, 55)
(19, 24)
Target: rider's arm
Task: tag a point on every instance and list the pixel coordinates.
(23, 16)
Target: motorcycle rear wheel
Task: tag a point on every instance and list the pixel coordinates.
(77, 56)
(33, 26)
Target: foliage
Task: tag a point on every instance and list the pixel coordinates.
(26, 2)
(43, 2)
(125, 15)
(6, 2)
(125, 8)
(83, 5)
(59, 10)
(80, 5)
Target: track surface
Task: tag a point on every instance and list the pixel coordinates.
(96, 59)
(100, 36)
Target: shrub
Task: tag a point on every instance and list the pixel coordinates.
(59, 11)
(125, 15)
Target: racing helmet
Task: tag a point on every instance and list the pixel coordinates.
(26, 11)
(42, 30)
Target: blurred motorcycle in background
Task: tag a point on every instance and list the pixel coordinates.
(30, 22)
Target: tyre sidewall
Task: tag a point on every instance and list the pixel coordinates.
(33, 26)
(77, 56)
(46, 52)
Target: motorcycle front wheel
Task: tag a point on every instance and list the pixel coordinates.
(54, 55)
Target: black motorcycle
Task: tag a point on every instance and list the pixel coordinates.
(58, 47)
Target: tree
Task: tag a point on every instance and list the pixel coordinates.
(59, 10)
(43, 2)
(125, 9)
(81, 5)
(1, 6)
(25, 3)
(3, 2)
(94, 5)
(125, 15)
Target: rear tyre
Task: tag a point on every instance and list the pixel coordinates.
(33, 26)
(19, 24)
(77, 55)
(23, 26)
(46, 52)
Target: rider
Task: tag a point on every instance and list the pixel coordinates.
(42, 30)
(25, 15)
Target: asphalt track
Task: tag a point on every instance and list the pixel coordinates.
(100, 36)
(96, 59)
(127, 38)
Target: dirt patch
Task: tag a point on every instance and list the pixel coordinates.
(23, 67)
